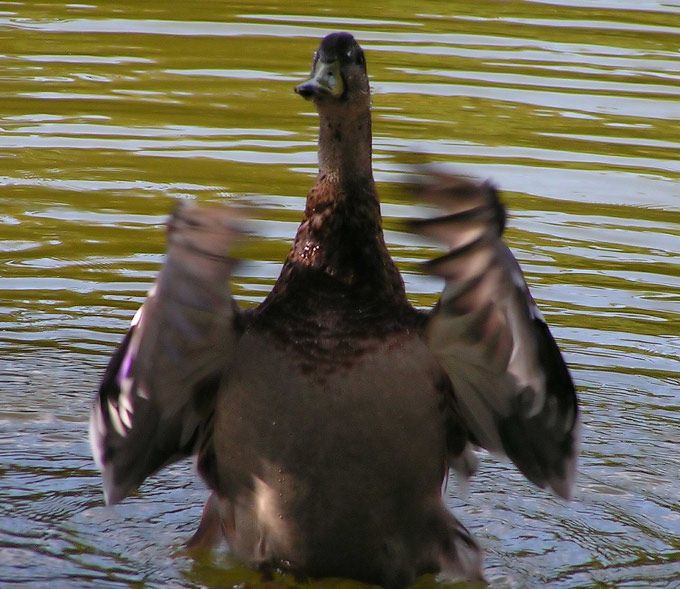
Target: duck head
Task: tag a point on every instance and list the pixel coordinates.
(339, 80)
(339, 89)
(341, 232)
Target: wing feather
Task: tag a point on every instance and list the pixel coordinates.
(510, 381)
(158, 390)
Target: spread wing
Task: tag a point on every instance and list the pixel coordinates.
(510, 382)
(157, 393)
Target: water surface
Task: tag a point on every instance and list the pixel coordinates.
(111, 110)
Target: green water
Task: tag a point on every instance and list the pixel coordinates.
(110, 111)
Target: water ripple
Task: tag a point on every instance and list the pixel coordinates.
(113, 110)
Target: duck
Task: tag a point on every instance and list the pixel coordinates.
(326, 419)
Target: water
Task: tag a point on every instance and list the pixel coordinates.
(110, 110)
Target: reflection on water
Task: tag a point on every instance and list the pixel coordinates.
(112, 110)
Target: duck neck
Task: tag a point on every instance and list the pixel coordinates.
(342, 207)
(345, 151)
(341, 232)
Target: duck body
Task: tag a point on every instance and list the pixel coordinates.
(347, 376)
(298, 489)
(325, 420)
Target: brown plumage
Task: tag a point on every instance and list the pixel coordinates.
(325, 419)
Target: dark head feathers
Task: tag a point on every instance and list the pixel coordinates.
(340, 47)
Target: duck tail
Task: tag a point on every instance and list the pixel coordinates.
(460, 556)
(216, 522)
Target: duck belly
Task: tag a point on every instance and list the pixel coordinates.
(334, 470)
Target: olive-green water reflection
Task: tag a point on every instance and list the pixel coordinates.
(111, 110)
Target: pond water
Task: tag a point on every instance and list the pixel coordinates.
(111, 110)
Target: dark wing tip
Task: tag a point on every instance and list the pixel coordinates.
(545, 445)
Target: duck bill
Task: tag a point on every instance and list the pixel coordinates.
(326, 80)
